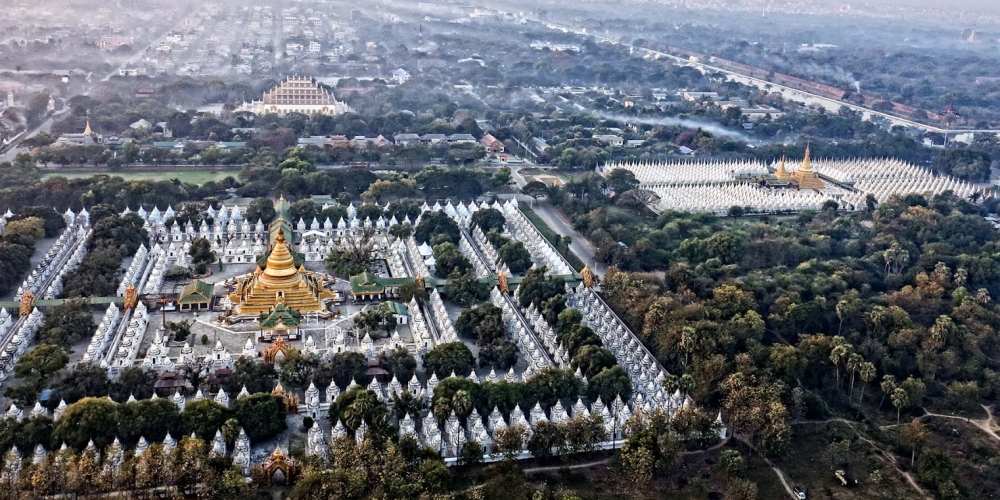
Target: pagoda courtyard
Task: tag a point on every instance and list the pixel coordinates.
(263, 313)
(756, 187)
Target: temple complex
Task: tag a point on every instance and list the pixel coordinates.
(805, 177)
(758, 187)
(297, 95)
(281, 281)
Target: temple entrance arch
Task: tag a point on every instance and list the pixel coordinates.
(278, 346)
(280, 469)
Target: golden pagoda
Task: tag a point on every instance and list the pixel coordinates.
(280, 282)
(782, 173)
(87, 130)
(806, 178)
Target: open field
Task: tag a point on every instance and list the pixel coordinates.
(200, 176)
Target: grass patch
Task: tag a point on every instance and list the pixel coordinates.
(186, 176)
(811, 465)
(551, 235)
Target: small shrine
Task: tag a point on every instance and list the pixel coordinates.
(280, 321)
(280, 468)
(291, 399)
(588, 277)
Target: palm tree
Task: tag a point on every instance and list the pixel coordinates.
(878, 317)
(405, 402)
(899, 400)
(867, 373)
(688, 340)
(671, 383)
(461, 403)
(961, 275)
(442, 409)
(838, 354)
(362, 406)
(942, 328)
(888, 385)
(687, 384)
(841, 309)
(854, 362)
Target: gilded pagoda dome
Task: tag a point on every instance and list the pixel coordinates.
(281, 262)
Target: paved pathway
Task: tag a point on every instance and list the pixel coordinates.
(581, 246)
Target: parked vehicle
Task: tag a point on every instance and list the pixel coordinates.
(799, 492)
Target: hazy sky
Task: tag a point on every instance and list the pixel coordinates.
(991, 6)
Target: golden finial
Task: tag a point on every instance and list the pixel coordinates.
(27, 303)
(806, 166)
(131, 297)
(588, 277)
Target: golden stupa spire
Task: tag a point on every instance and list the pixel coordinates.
(806, 166)
(806, 178)
(280, 263)
(87, 130)
(782, 173)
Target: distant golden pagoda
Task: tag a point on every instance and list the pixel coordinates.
(280, 282)
(782, 173)
(806, 178)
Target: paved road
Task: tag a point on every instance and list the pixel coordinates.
(581, 246)
(793, 94)
(45, 126)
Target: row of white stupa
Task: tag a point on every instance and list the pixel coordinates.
(114, 455)
(715, 186)
(523, 332)
(16, 339)
(232, 219)
(719, 198)
(645, 372)
(115, 343)
(452, 434)
(64, 254)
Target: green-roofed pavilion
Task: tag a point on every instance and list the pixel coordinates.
(278, 320)
(398, 310)
(366, 286)
(196, 296)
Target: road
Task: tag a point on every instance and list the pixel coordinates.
(792, 94)
(45, 126)
(581, 246)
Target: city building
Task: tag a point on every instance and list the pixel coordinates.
(400, 76)
(297, 95)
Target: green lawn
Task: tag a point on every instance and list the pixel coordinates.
(188, 176)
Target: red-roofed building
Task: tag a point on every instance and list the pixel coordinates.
(491, 144)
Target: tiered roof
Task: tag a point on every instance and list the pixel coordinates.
(299, 90)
